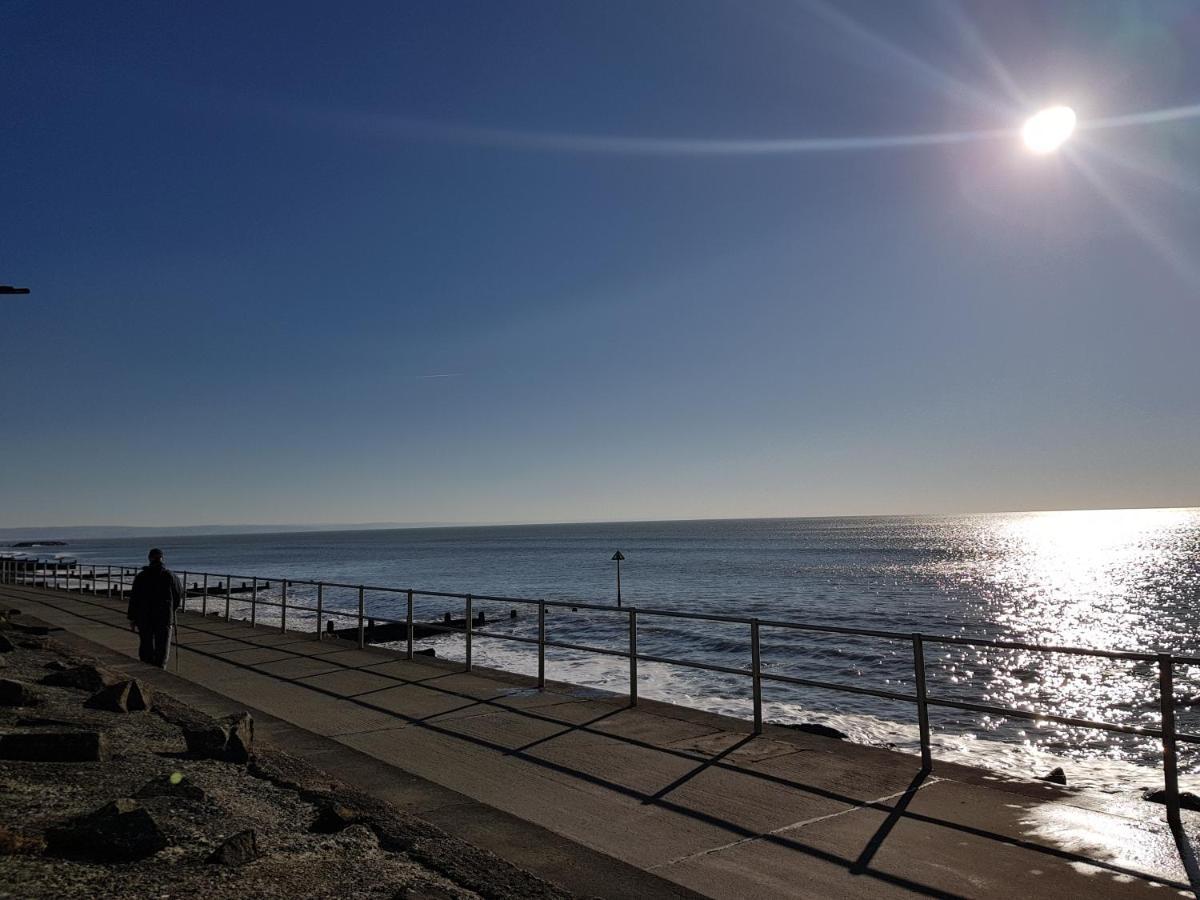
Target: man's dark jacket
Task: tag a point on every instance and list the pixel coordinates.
(156, 592)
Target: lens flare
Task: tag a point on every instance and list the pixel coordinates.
(1047, 130)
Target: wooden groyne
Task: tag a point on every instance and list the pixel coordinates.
(389, 632)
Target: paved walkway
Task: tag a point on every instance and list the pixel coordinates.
(655, 795)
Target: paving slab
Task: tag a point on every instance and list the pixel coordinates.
(687, 795)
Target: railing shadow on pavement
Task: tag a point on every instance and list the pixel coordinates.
(860, 866)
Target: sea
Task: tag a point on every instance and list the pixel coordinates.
(1109, 579)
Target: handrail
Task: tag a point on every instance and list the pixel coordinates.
(14, 570)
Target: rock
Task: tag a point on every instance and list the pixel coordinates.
(1055, 776)
(141, 696)
(176, 786)
(230, 739)
(241, 737)
(14, 842)
(424, 891)
(57, 665)
(333, 817)
(1187, 800)
(54, 746)
(237, 850)
(16, 693)
(84, 678)
(38, 630)
(820, 730)
(118, 831)
(123, 697)
(6, 646)
(206, 740)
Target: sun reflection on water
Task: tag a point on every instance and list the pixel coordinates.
(1106, 579)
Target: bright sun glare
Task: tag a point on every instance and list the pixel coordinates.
(1046, 131)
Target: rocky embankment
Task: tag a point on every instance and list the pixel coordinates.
(110, 789)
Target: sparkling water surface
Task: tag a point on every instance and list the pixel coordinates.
(1122, 579)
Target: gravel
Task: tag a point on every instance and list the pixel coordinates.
(380, 852)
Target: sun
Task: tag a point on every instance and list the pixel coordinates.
(1046, 131)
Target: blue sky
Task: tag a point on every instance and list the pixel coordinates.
(256, 232)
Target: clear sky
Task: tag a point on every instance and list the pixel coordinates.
(521, 261)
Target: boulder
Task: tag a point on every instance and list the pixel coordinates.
(6, 646)
(123, 697)
(16, 693)
(37, 630)
(14, 842)
(237, 850)
(333, 817)
(1055, 776)
(1187, 800)
(85, 678)
(141, 696)
(176, 786)
(241, 737)
(119, 831)
(230, 739)
(54, 746)
(206, 740)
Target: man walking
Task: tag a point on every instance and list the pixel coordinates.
(156, 594)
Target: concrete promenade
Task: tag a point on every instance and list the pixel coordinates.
(654, 800)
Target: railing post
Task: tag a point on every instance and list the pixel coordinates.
(283, 606)
(1166, 702)
(361, 641)
(108, 583)
(204, 597)
(409, 654)
(320, 606)
(254, 601)
(228, 594)
(183, 581)
(93, 580)
(756, 669)
(541, 645)
(121, 584)
(922, 703)
(633, 697)
(470, 624)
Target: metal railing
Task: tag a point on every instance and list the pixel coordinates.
(101, 580)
